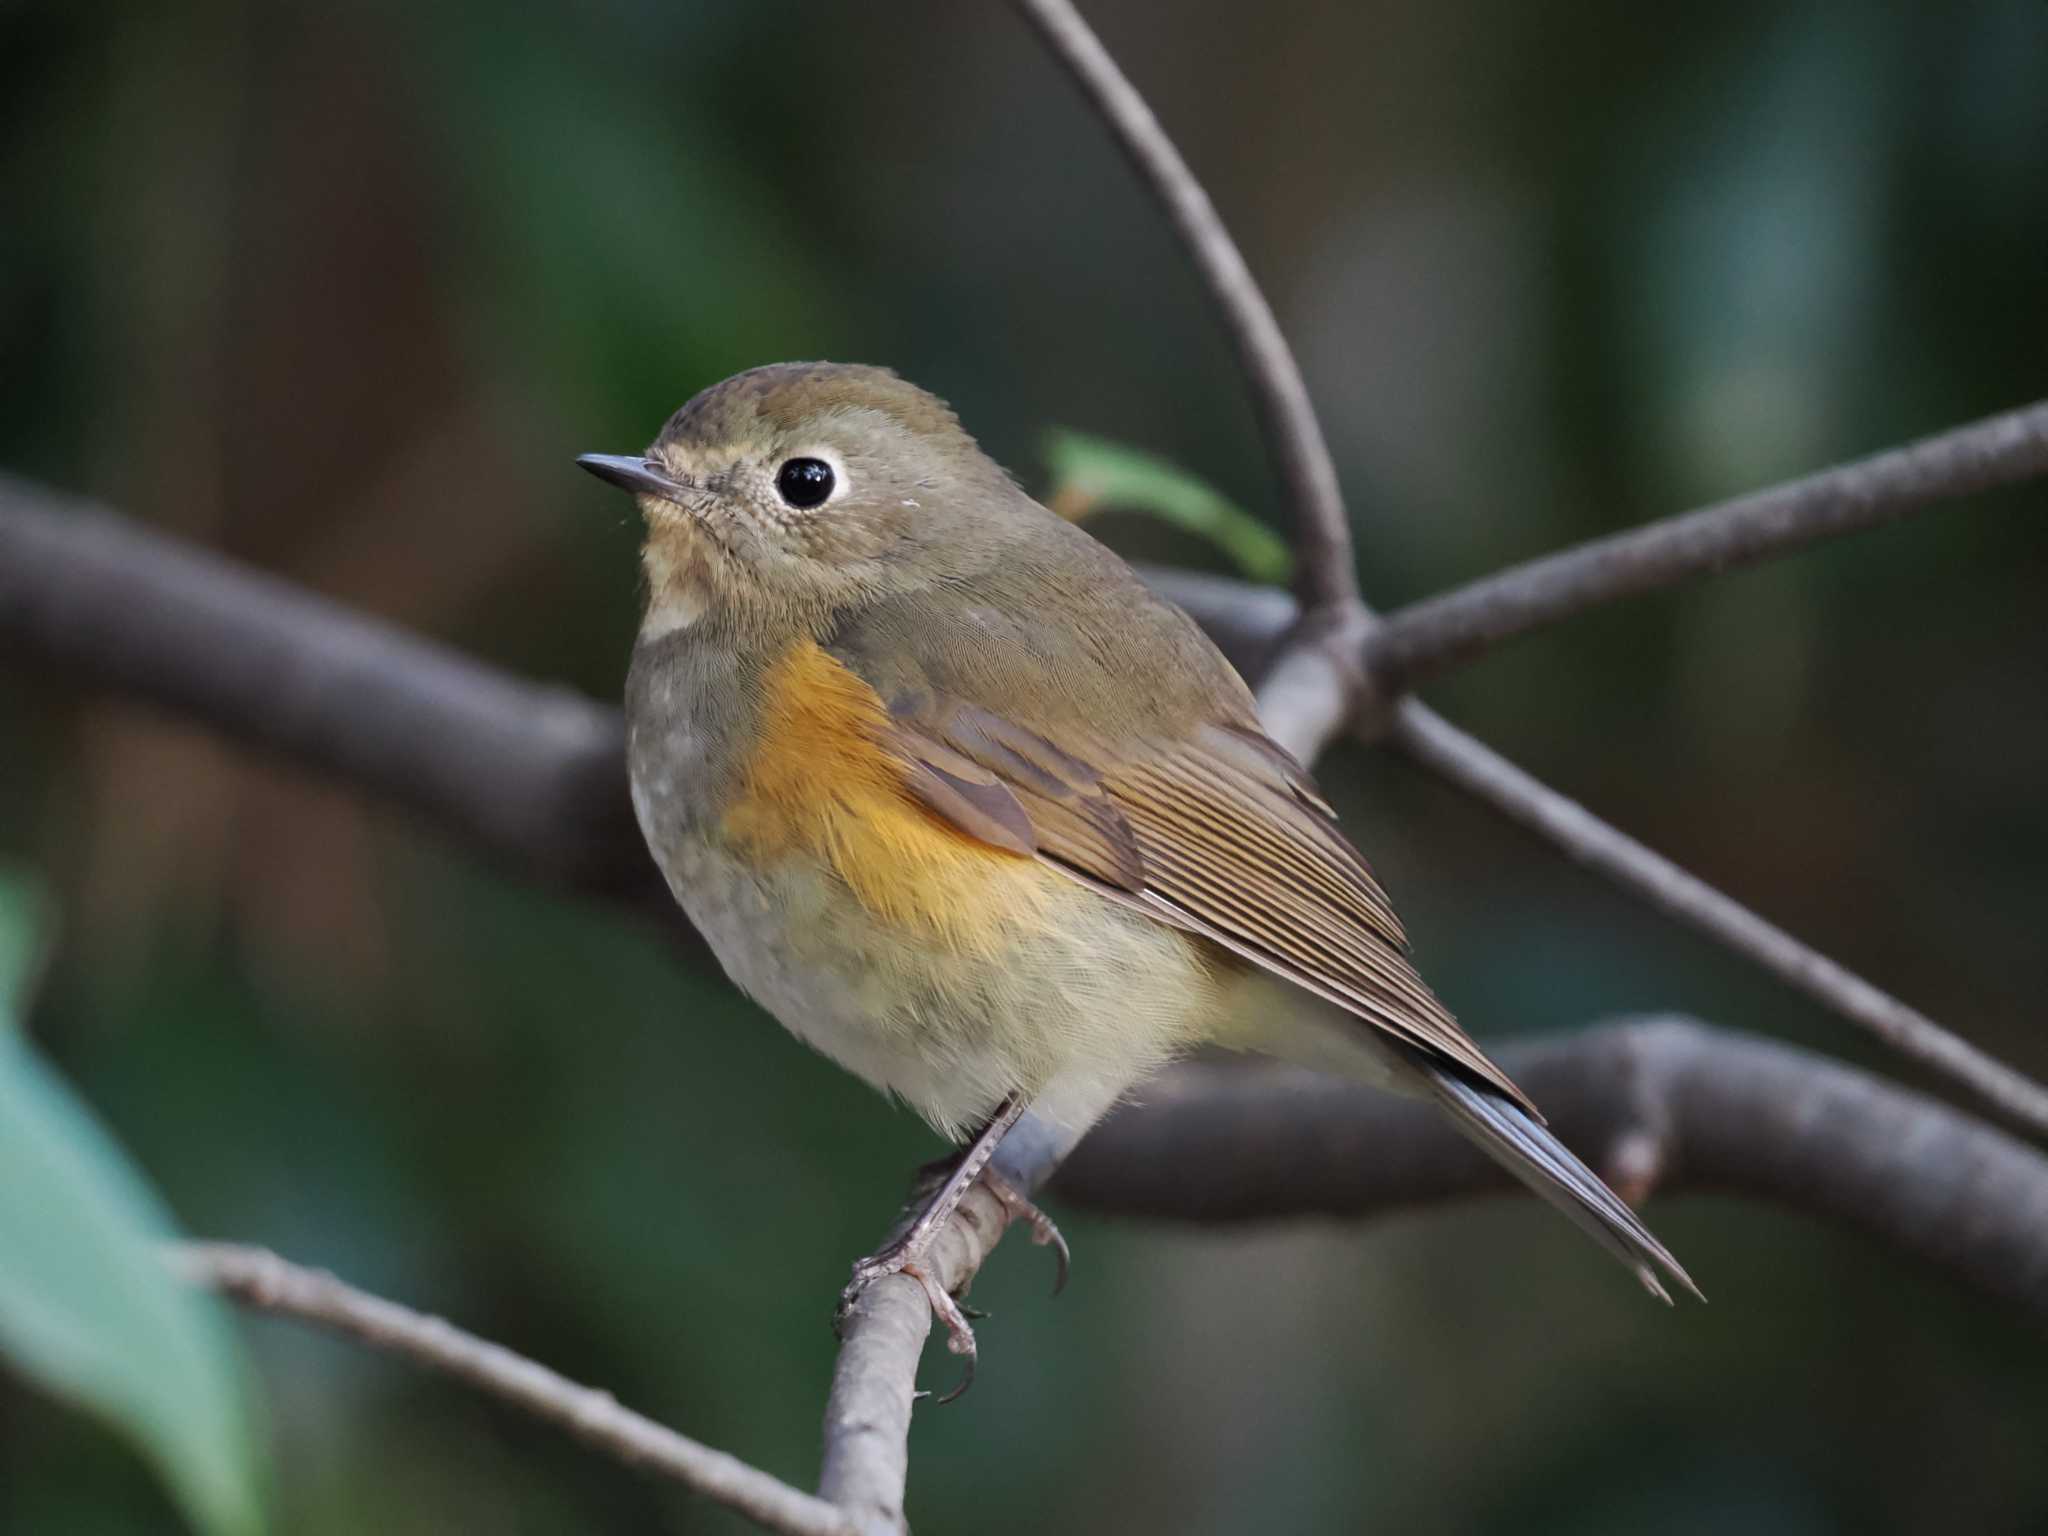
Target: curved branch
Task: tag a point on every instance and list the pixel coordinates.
(1660, 1102)
(1287, 420)
(1469, 764)
(259, 1279)
(1424, 640)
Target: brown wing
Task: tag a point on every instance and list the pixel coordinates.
(1221, 833)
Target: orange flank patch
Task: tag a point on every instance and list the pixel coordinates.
(823, 782)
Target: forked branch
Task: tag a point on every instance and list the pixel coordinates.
(1343, 664)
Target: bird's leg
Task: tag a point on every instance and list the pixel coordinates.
(907, 1253)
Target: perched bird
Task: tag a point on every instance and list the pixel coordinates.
(973, 812)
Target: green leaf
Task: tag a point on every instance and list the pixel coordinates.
(25, 924)
(1089, 473)
(90, 1311)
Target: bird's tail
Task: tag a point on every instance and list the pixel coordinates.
(1269, 1015)
(1505, 1132)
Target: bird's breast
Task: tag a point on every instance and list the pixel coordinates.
(820, 783)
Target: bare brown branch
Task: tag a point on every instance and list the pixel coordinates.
(259, 1279)
(1292, 432)
(1684, 1105)
(533, 774)
(1422, 641)
(1472, 766)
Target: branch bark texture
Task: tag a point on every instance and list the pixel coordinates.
(1659, 1103)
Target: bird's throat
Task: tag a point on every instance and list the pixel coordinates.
(679, 589)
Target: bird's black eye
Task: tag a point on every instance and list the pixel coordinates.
(804, 482)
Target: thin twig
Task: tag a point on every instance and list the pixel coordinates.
(261, 1280)
(1472, 766)
(1414, 644)
(1288, 421)
(1719, 1111)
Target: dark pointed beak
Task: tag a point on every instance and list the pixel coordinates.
(629, 472)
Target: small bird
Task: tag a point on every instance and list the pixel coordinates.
(970, 810)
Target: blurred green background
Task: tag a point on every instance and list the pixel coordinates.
(342, 290)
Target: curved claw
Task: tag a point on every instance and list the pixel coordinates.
(1044, 1232)
(966, 1381)
(948, 1310)
(959, 1332)
(1063, 1257)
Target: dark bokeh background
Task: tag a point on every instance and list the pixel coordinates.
(341, 290)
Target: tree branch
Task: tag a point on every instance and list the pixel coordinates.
(1331, 671)
(1662, 1101)
(1412, 645)
(1659, 1103)
(874, 1382)
(531, 773)
(260, 1280)
(1470, 765)
(1287, 420)
(1320, 680)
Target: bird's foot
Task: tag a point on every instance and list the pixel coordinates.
(909, 1255)
(909, 1252)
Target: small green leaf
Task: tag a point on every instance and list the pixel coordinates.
(1089, 473)
(25, 924)
(90, 1311)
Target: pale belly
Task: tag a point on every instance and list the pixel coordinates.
(1070, 1006)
